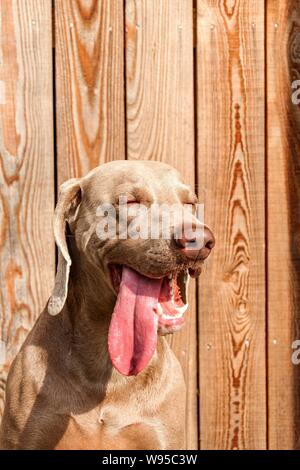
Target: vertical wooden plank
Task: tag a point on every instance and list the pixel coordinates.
(89, 84)
(160, 125)
(231, 141)
(283, 43)
(26, 171)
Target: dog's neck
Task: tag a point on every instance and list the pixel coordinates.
(88, 311)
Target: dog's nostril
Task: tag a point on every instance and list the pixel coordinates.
(209, 239)
(210, 244)
(183, 241)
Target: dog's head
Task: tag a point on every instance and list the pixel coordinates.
(137, 223)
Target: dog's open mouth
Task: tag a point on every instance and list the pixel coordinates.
(144, 307)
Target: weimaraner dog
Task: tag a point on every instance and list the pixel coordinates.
(96, 372)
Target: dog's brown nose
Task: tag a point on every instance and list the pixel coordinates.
(195, 244)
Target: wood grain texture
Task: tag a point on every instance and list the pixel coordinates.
(283, 61)
(160, 125)
(89, 43)
(26, 171)
(231, 92)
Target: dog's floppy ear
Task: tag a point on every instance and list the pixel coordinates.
(66, 210)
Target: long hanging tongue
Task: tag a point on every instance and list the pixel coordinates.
(132, 333)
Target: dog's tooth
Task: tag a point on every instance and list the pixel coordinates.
(170, 276)
(169, 317)
(172, 317)
(182, 310)
(159, 309)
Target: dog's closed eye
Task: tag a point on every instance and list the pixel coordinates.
(132, 202)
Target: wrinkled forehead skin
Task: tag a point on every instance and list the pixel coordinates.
(145, 181)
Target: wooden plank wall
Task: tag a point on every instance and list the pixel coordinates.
(283, 67)
(206, 86)
(27, 260)
(231, 177)
(89, 72)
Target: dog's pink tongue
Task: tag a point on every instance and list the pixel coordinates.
(132, 333)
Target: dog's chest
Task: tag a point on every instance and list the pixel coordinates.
(139, 415)
(114, 427)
